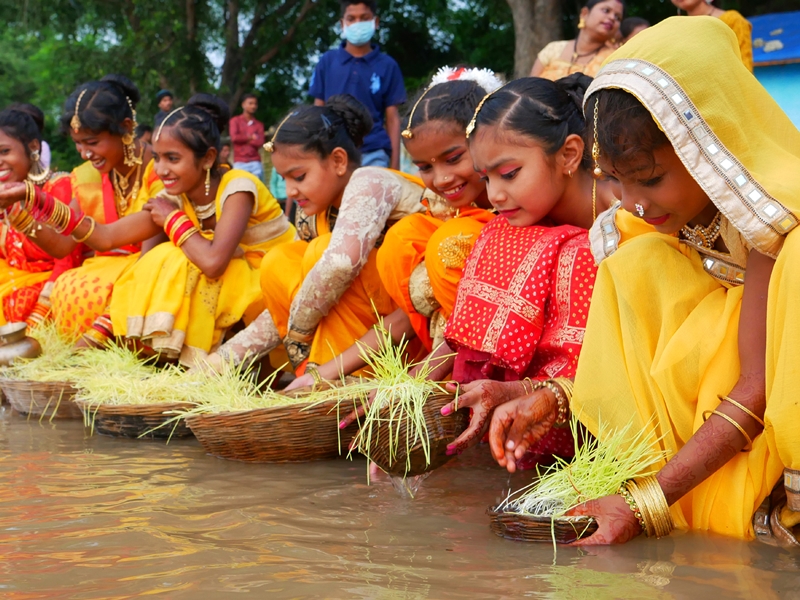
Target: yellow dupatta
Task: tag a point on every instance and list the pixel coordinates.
(662, 336)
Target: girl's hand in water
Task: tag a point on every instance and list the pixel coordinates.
(519, 424)
(11, 193)
(159, 209)
(616, 522)
(305, 380)
(482, 397)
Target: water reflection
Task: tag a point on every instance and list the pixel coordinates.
(93, 517)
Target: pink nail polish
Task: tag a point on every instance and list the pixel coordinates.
(446, 410)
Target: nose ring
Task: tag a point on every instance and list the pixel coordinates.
(639, 209)
(89, 155)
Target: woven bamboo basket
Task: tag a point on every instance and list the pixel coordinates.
(297, 433)
(527, 528)
(441, 431)
(50, 400)
(136, 420)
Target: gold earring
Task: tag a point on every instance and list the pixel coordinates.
(208, 181)
(581, 23)
(569, 172)
(128, 150)
(38, 173)
(598, 172)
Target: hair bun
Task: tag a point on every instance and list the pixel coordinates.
(575, 87)
(355, 115)
(126, 85)
(214, 106)
(34, 112)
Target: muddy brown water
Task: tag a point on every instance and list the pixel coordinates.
(96, 517)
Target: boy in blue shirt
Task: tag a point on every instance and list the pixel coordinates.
(360, 69)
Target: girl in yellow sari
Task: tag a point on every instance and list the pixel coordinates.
(322, 292)
(27, 272)
(181, 296)
(691, 333)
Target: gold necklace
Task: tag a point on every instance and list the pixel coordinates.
(121, 184)
(704, 237)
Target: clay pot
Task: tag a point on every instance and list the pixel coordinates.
(15, 344)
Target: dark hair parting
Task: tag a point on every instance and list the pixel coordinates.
(342, 122)
(449, 101)
(547, 111)
(104, 105)
(199, 124)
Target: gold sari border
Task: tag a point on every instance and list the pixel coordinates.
(761, 219)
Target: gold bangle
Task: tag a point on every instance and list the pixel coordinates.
(742, 408)
(649, 498)
(626, 495)
(525, 388)
(92, 225)
(186, 235)
(318, 380)
(296, 336)
(749, 445)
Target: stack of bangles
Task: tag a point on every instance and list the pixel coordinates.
(562, 388)
(44, 208)
(21, 220)
(179, 227)
(314, 372)
(648, 503)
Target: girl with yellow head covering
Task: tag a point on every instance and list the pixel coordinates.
(691, 332)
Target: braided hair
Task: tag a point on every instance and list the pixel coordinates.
(547, 111)
(342, 122)
(104, 105)
(198, 125)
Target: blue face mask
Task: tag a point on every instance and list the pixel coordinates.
(359, 33)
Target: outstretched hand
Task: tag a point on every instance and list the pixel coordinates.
(482, 397)
(11, 193)
(616, 522)
(519, 424)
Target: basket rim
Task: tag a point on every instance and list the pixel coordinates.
(85, 404)
(265, 410)
(32, 382)
(492, 512)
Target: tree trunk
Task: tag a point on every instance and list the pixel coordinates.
(536, 24)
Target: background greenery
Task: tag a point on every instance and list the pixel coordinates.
(230, 47)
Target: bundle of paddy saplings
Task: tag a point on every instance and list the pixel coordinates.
(42, 386)
(236, 418)
(537, 512)
(123, 395)
(403, 430)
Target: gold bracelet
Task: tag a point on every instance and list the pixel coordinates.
(296, 336)
(525, 388)
(743, 408)
(562, 419)
(749, 445)
(92, 225)
(626, 495)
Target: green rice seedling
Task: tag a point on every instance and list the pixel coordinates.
(393, 399)
(597, 470)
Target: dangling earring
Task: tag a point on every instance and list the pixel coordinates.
(128, 149)
(208, 181)
(38, 173)
(581, 23)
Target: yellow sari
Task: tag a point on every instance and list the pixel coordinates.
(81, 295)
(165, 301)
(662, 336)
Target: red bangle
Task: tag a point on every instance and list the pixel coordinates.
(180, 230)
(171, 218)
(75, 218)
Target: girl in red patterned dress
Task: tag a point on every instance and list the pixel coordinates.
(522, 303)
